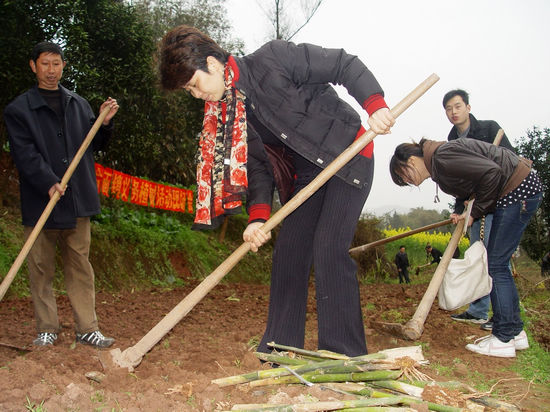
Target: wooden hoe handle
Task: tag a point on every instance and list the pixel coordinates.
(400, 236)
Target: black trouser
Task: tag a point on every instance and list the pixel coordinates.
(404, 275)
(318, 233)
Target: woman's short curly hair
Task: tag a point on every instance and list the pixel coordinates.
(183, 51)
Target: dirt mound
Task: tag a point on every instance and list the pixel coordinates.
(214, 340)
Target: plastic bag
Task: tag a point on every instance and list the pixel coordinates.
(466, 279)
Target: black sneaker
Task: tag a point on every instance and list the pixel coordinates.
(466, 317)
(45, 339)
(487, 325)
(95, 339)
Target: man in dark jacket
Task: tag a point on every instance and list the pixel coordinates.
(457, 108)
(433, 253)
(402, 263)
(46, 126)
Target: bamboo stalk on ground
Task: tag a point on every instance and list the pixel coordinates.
(362, 390)
(329, 366)
(377, 409)
(459, 386)
(324, 406)
(323, 354)
(279, 359)
(309, 353)
(294, 408)
(330, 377)
(402, 387)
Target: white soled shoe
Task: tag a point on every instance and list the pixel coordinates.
(492, 346)
(520, 341)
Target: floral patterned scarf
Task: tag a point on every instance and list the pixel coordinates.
(221, 158)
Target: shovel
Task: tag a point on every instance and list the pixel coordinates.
(132, 356)
(49, 207)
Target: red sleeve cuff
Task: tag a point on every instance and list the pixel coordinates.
(374, 103)
(260, 211)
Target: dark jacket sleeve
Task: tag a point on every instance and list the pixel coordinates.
(260, 179)
(27, 157)
(310, 64)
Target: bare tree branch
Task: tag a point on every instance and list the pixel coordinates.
(277, 15)
(308, 16)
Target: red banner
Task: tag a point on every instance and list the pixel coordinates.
(118, 185)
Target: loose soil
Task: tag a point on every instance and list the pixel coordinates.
(216, 340)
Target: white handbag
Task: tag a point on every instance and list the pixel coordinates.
(466, 279)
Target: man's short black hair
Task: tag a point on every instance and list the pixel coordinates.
(457, 92)
(46, 47)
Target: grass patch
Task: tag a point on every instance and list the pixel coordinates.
(534, 364)
(11, 242)
(132, 249)
(394, 316)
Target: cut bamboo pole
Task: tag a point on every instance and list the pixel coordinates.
(132, 356)
(379, 242)
(325, 406)
(330, 366)
(403, 387)
(413, 328)
(362, 390)
(279, 360)
(331, 377)
(51, 204)
(323, 354)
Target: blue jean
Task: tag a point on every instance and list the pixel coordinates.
(480, 307)
(508, 226)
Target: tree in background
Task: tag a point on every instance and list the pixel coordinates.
(283, 17)
(373, 260)
(535, 146)
(415, 218)
(110, 48)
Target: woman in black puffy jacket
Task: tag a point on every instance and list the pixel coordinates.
(273, 119)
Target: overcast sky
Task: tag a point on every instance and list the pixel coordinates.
(497, 50)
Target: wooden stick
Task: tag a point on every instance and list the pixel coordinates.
(49, 207)
(379, 242)
(498, 137)
(413, 328)
(132, 356)
(380, 375)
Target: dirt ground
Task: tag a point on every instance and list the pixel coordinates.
(214, 340)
